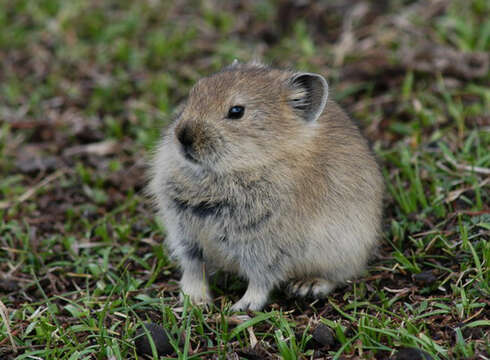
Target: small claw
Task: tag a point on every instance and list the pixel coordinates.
(314, 287)
(239, 307)
(249, 304)
(197, 299)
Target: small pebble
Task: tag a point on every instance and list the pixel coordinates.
(8, 285)
(426, 277)
(160, 339)
(323, 335)
(31, 165)
(256, 353)
(411, 354)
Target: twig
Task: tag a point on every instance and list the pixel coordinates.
(4, 315)
(477, 169)
(253, 338)
(31, 191)
(453, 195)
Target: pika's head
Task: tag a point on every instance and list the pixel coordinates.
(247, 114)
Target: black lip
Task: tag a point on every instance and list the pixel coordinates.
(188, 155)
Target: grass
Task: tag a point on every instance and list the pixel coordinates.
(82, 263)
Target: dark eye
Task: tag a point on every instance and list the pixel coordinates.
(236, 112)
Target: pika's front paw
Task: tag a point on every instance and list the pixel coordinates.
(250, 301)
(245, 305)
(197, 298)
(314, 287)
(198, 292)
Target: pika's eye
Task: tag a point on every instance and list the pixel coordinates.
(236, 112)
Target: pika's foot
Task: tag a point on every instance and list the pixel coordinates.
(197, 298)
(254, 299)
(198, 292)
(315, 287)
(248, 304)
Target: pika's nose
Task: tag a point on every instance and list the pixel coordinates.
(185, 138)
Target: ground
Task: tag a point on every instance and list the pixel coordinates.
(87, 86)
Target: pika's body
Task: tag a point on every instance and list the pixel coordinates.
(262, 176)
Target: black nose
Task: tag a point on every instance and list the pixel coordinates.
(185, 138)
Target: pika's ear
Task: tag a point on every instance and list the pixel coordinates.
(308, 96)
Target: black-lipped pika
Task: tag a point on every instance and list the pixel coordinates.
(262, 176)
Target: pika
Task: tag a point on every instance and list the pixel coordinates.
(262, 175)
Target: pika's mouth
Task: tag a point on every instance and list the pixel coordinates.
(188, 154)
